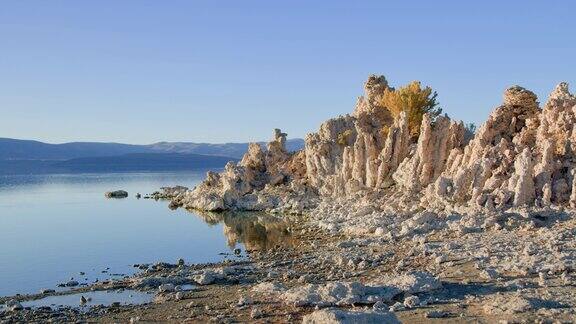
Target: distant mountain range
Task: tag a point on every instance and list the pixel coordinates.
(33, 157)
(133, 162)
(14, 149)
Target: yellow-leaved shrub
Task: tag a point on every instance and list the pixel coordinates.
(414, 100)
(344, 137)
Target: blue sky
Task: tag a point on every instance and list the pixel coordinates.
(219, 71)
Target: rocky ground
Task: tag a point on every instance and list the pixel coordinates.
(517, 271)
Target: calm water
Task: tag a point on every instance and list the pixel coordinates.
(53, 227)
(106, 298)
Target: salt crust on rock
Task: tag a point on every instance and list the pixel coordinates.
(338, 316)
(348, 293)
(507, 305)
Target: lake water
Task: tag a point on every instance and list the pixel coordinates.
(55, 227)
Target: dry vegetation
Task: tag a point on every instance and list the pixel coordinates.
(414, 100)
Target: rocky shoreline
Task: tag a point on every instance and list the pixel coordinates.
(514, 274)
(452, 226)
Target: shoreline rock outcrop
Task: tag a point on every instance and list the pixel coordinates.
(522, 156)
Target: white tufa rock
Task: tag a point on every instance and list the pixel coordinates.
(520, 157)
(348, 293)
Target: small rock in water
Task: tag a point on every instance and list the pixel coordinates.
(116, 194)
(13, 305)
(138, 196)
(83, 300)
(237, 251)
(47, 291)
(181, 262)
(72, 283)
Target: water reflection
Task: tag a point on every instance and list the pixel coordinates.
(57, 227)
(256, 231)
(92, 298)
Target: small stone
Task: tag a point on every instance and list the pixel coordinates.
(489, 274)
(243, 301)
(542, 275)
(256, 313)
(181, 262)
(565, 278)
(304, 278)
(437, 314)
(16, 307)
(72, 283)
(396, 307)
(440, 259)
(83, 300)
(207, 277)
(379, 306)
(179, 296)
(411, 302)
(166, 288)
(13, 305)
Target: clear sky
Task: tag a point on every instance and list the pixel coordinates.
(143, 71)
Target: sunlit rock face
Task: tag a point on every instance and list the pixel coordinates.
(521, 156)
(264, 179)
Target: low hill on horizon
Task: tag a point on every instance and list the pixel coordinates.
(17, 149)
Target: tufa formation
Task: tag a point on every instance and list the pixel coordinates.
(523, 155)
